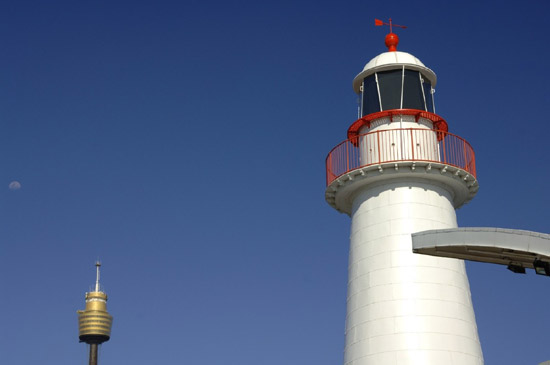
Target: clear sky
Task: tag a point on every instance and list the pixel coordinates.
(183, 144)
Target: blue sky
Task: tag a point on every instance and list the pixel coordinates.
(183, 143)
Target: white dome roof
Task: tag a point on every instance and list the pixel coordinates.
(389, 61)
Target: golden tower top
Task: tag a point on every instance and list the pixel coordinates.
(94, 322)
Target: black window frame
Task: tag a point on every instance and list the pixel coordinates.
(415, 91)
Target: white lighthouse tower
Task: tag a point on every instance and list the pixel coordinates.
(399, 172)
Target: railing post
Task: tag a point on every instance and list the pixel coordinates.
(329, 168)
(412, 144)
(473, 172)
(465, 158)
(347, 156)
(378, 143)
(444, 148)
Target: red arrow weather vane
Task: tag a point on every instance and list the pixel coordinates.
(391, 39)
(378, 22)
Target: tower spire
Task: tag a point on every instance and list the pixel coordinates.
(97, 265)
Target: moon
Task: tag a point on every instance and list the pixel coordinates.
(14, 185)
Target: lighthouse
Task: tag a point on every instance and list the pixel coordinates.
(400, 171)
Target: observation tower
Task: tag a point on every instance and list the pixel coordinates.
(94, 323)
(400, 171)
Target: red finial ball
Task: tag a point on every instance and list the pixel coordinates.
(392, 40)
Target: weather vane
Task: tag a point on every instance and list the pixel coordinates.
(391, 39)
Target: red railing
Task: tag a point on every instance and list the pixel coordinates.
(396, 145)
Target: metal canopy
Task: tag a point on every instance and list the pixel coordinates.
(491, 245)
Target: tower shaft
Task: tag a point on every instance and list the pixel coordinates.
(404, 308)
(93, 354)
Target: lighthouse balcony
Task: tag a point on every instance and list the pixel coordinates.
(400, 145)
(418, 153)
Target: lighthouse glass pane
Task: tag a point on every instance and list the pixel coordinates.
(412, 91)
(371, 103)
(428, 93)
(390, 88)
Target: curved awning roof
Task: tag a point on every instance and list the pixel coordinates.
(492, 245)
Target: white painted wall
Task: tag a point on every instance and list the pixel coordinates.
(392, 143)
(404, 308)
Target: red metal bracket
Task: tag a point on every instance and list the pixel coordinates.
(439, 123)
